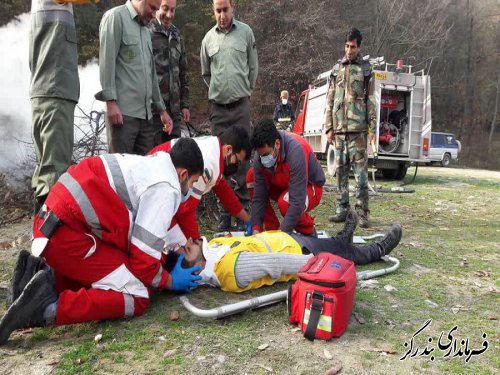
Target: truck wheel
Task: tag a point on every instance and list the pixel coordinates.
(395, 174)
(446, 160)
(331, 165)
(389, 174)
(401, 172)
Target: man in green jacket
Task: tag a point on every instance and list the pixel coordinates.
(171, 69)
(229, 67)
(128, 77)
(54, 90)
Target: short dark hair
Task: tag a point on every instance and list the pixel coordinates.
(237, 136)
(186, 154)
(265, 134)
(354, 34)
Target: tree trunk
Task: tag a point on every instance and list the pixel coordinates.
(495, 113)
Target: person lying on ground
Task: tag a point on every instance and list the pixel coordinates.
(238, 264)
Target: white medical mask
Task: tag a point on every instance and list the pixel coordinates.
(268, 161)
(284, 101)
(185, 197)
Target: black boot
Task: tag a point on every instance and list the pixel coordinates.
(28, 309)
(26, 267)
(363, 217)
(390, 240)
(351, 222)
(39, 202)
(224, 223)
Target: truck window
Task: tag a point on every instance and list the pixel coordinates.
(300, 105)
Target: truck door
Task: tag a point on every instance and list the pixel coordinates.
(420, 117)
(300, 113)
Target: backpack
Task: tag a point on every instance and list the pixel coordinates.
(321, 300)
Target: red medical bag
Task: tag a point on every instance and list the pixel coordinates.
(321, 300)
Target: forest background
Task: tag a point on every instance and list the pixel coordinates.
(456, 41)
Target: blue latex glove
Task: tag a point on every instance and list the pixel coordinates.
(249, 228)
(183, 279)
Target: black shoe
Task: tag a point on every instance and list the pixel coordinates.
(351, 222)
(363, 218)
(26, 267)
(338, 217)
(391, 239)
(28, 309)
(39, 202)
(224, 223)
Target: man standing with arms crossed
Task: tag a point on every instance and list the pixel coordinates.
(350, 117)
(128, 77)
(171, 69)
(229, 67)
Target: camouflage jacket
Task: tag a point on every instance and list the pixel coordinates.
(349, 97)
(171, 66)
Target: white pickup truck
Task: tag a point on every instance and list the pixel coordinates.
(444, 148)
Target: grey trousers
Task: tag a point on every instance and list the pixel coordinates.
(135, 136)
(223, 117)
(52, 133)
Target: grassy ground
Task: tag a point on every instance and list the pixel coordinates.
(449, 273)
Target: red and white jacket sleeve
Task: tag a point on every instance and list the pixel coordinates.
(157, 206)
(186, 218)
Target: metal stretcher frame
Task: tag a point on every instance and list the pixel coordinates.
(269, 299)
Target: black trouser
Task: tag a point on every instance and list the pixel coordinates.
(223, 117)
(338, 246)
(162, 137)
(134, 136)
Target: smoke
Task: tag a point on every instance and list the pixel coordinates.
(15, 107)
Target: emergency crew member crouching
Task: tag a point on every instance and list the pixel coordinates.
(221, 158)
(102, 231)
(285, 169)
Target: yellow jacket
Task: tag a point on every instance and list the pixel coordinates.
(266, 242)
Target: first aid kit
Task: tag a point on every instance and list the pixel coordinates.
(321, 300)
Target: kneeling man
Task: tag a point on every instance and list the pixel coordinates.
(102, 230)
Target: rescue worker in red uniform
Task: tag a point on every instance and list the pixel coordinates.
(102, 230)
(285, 169)
(221, 157)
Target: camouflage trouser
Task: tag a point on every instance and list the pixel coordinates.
(350, 151)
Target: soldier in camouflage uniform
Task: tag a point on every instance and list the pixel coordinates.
(350, 118)
(171, 68)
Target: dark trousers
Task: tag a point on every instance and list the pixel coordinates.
(223, 117)
(135, 136)
(338, 246)
(162, 137)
